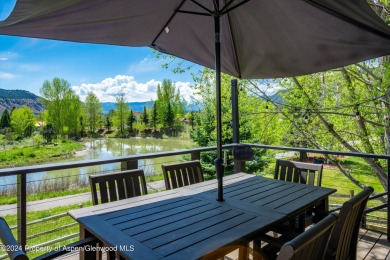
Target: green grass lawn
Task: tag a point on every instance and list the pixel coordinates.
(50, 229)
(21, 156)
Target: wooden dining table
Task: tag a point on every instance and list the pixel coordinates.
(189, 223)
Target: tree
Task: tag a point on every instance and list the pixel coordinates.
(108, 119)
(22, 121)
(130, 121)
(145, 117)
(5, 120)
(92, 111)
(344, 109)
(121, 113)
(48, 133)
(72, 114)
(62, 104)
(168, 95)
(154, 119)
(169, 117)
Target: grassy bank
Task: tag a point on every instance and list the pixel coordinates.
(22, 156)
(44, 228)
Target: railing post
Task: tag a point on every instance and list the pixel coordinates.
(195, 156)
(239, 166)
(235, 117)
(22, 210)
(129, 165)
(388, 207)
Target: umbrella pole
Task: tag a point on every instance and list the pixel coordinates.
(219, 161)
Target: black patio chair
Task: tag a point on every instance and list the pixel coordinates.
(15, 251)
(182, 174)
(299, 172)
(311, 244)
(117, 186)
(344, 239)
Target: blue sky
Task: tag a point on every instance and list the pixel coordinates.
(25, 63)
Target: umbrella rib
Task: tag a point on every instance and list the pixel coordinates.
(202, 6)
(346, 18)
(190, 12)
(227, 5)
(234, 48)
(169, 20)
(233, 7)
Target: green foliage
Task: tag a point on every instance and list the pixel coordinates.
(169, 117)
(169, 106)
(108, 120)
(144, 117)
(48, 133)
(5, 120)
(92, 111)
(22, 121)
(121, 113)
(130, 121)
(30, 155)
(204, 122)
(63, 106)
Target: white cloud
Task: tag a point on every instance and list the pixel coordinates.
(187, 92)
(6, 75)
(146, 65)
(109, 88)
(6, 55)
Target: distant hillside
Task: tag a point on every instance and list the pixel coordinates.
(18, 98)
(135, 106)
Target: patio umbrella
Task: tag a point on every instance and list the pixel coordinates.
(243, 38)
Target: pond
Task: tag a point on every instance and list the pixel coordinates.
(101, 149)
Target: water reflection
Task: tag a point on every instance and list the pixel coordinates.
(101, 149)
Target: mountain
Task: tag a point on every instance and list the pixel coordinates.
(135, 106)
(139, 106)
(18, 98)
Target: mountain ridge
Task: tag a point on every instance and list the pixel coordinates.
(17, 98)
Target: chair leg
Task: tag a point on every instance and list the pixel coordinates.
(243, 252)
(256, 249)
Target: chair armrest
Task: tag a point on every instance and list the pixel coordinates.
(12, 247)
(68, 248)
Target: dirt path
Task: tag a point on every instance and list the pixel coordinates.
(46, 204)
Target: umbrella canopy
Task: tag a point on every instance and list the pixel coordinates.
(243, 38)
(259, 39)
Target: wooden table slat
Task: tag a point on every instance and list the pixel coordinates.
(169, 225)
(201, 232)
(168, 237)
(139, 213)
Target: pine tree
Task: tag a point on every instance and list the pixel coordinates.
(145, 117)
(169, 116)
(5, 120)
(131, 120)
(154, 116)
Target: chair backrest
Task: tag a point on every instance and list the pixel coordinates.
(298, 172)
(117, 186)
(14, 251)
(310, 244)
(182, 174)
(343, 241)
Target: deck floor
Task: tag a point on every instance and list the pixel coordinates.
(372, 245)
